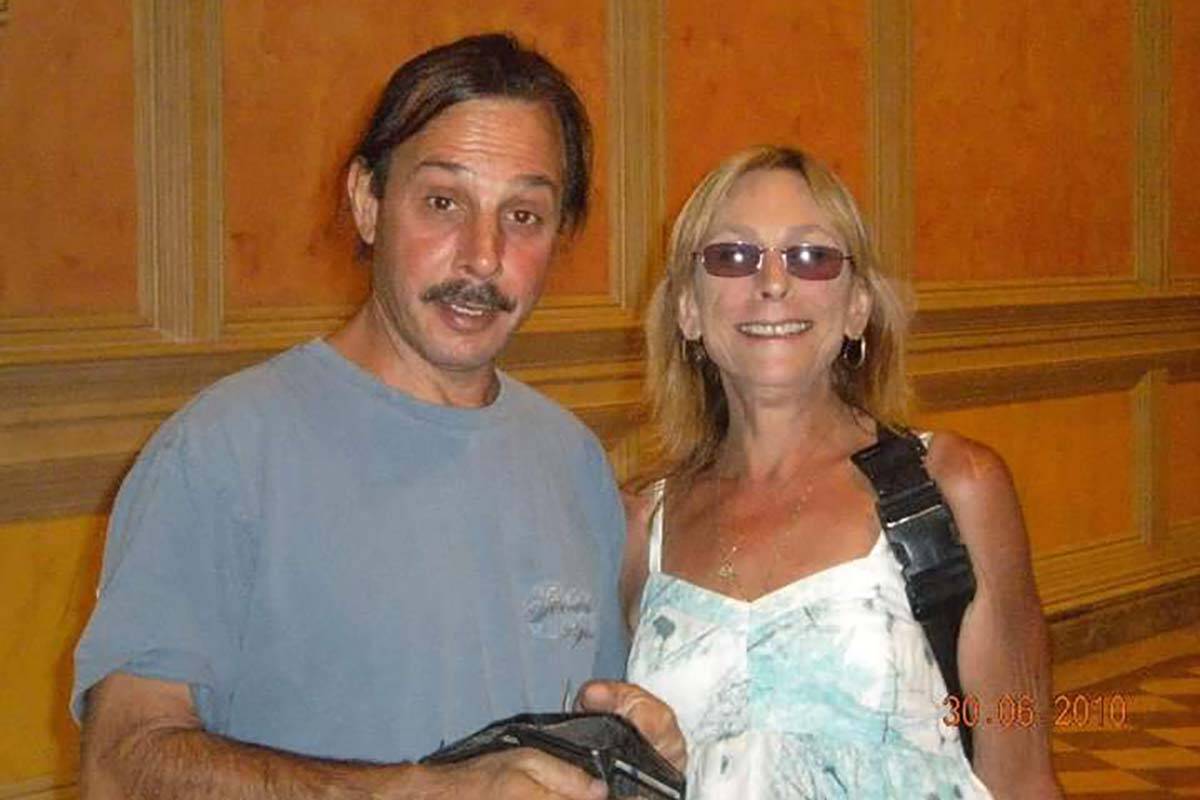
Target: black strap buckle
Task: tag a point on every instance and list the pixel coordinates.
(938, 579)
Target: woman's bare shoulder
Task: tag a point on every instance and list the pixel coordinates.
(966, 470)
(980, 491)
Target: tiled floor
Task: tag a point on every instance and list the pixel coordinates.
(1155, 686)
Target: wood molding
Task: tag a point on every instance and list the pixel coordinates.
(47, 407)
(1128, 619)
(178, 141)
(281, 326)
(30, 338)
(1185, 283)
(1131, 320)
(635, 167)
(62, 487)
(1151, 78)
(967, 387)
(636, 161)
(1183, 371)
(208, 169)
(68, 432)
(1094, 574)
(962, 357)
(1149, 458)
(46, 787)
(162, 146)
(890, 132)
(176, 132)
(938, 295)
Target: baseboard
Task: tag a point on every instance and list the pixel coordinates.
(1080, 632)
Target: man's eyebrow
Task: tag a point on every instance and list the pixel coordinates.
(532, 179)
(449, 166)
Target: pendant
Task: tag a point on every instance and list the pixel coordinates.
(725, 571)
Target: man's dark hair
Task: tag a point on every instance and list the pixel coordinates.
(480, 67)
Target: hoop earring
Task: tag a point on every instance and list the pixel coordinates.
(692, 350)
(854, 352)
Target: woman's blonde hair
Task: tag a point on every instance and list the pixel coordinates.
(687, 401)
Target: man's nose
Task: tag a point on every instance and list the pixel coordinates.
(483, 247)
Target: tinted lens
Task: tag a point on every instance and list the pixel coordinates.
(814, 262)
(731, 259)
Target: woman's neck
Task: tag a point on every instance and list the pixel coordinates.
(771, 439)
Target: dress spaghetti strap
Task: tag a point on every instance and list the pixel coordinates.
(656, 527)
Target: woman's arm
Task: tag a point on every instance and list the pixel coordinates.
(1003, 646)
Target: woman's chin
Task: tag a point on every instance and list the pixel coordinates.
(794, 382)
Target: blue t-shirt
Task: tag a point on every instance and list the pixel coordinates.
(340, 570)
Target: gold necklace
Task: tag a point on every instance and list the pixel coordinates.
(726, 570)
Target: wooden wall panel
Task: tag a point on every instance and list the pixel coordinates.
(768, 72)
(1023, 122)
(48, 570)
(1182, 423)
(300, 80)
(67, 206)
(1050, 144)
(1074, 477)
(1185, 139)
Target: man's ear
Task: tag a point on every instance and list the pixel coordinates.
(363, 202)
(860, 309)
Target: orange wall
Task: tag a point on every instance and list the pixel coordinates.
(1183, 452)
(1073, 476)
(772, 71)
(1185, 138)
(1024, 126)
(67, 206)
(48, 573)
(300, 82)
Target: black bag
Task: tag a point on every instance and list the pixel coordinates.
(603, 745)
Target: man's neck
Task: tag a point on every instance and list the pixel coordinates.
(367, 341)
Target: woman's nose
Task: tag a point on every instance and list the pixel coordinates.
(772, 275)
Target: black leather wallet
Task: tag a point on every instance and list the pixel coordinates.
(604, 745)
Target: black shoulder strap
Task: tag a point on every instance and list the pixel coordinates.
(922, 534)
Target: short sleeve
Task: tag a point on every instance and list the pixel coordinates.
(176, 573)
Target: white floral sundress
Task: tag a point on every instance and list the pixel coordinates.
(823, 688)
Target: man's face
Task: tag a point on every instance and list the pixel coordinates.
(464, 232)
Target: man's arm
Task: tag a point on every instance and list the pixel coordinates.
(143, 739)
(1002, 648)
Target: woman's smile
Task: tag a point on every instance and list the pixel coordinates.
(782, 329)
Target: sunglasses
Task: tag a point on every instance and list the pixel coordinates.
(809, 262)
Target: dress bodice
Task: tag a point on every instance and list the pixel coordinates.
(825, 687)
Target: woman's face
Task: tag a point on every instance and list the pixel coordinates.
(771, 328)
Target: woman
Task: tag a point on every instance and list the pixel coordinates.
(769, 611)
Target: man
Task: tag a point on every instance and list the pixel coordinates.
(328, 564)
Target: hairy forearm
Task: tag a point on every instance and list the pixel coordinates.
(176, 762)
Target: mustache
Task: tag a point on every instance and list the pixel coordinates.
(476, 295)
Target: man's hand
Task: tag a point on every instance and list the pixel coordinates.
(653, 718)
(517, 774)
(142, 739)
